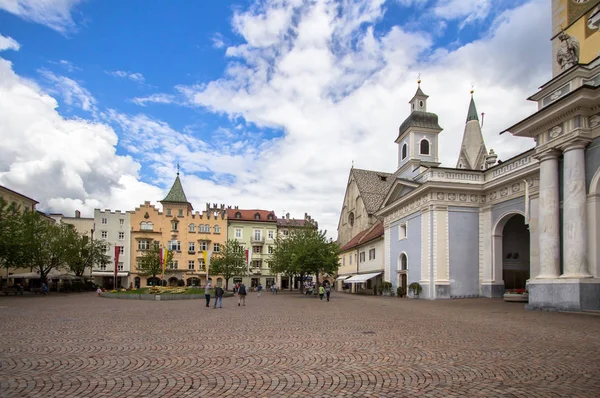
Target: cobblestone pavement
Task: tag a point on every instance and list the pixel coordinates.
(288, 345)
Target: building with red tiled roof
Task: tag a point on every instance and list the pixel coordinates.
(362, 261)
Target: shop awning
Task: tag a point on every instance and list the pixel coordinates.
(341, 278)
(361, 278)
(109, 273)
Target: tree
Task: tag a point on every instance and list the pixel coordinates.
(45, 245)
(149, 263)
(229, 262)
(84, 252)
(10, 244)
(305, 251)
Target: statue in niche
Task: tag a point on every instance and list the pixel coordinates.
(568, 52)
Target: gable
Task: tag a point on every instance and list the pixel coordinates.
(399, 189)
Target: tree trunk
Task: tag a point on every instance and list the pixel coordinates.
(226, 284)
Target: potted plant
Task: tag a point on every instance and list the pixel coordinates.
(400, 292)
(386, 288)
(516, 295)
(415, 288)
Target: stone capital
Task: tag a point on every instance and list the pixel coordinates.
(548, 154)
(577, 144)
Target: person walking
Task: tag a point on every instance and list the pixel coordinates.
(327, 291)
(242, 294)
(321, 292)
(219, 292)
(259, 288)
(207, 290)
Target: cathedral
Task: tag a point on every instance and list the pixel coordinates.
(485, 227)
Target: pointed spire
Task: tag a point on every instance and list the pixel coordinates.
(176, 194)
(472, 114)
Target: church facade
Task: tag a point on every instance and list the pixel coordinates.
(484, 227)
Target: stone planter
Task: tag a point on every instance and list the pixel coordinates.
(516, 298)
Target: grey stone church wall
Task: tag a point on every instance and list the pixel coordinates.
(411, 246)
(592, 161)
(463, 226)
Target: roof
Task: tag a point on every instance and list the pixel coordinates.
(472, 115)
(293, 223)
(373, 232)
(419, 93)
(420, 119)
(176, 194)
(249, 215)
(20, 194)
(373, 187)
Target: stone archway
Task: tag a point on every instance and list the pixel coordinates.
(511, 246)
(173, 281)
(593, 227)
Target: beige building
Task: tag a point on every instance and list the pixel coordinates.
(191, 236)
(20, 200)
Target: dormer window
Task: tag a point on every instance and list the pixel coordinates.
(238, 215)
(424, 147)
(404, 151)
(257, 216)
(383, 178)
(270, 217)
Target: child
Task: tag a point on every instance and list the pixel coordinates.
(321, 292)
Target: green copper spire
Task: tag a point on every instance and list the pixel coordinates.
(472, 115)
(176, 193)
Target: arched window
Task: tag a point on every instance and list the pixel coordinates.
(270, 217)
(351, 219)
(403, 262)
(217, 229)
(257, 216)
(192, 228)
(404, 151)
(424, 147)
(238, 215)
(146, 226)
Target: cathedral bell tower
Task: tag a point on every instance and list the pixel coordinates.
(418, 137)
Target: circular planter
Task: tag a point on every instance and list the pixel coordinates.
(516, 298)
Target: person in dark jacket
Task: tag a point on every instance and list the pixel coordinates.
(242, 294)
(219, 292)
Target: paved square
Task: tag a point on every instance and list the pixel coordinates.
(288, 345)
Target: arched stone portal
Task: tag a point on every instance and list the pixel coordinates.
(593, 216)
(511, 245)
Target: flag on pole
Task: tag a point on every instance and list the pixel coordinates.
(207, 254)
(117, 252)
(248, 260)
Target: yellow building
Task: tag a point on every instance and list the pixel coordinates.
(191, 236)
(575, 25)
(21, 201)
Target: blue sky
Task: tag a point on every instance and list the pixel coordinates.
(265, 104)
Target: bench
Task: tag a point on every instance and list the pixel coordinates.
(12, 290)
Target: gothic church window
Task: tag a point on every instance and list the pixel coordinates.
(424, 147)
(351, 219)
(403, 262)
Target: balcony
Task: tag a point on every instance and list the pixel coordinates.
(258, 241)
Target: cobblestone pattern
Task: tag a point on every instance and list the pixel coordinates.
(288, 345)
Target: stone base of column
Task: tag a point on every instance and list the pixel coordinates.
(564, 294)
(492, 290)
(442, 290)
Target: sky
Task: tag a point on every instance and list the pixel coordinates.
(264, 104)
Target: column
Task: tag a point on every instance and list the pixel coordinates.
(574, 212)
(549, 217)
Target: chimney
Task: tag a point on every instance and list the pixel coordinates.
(77, 214)
(287, 216)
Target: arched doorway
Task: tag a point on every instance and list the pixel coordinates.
(137, 282)
(511, 251)
(402, 271)
(593, 210)
(152, 282)
(173, 281)
(193, 282)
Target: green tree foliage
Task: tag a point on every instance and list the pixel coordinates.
(149, 263)
(229, 261)
(10, 244)
(84, 252)
(305, 251)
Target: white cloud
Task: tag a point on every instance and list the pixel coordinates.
(8, 43)
(66, 164)
(72, 92)
(470, 10)
(159, 98)
(67, 65)
(339, 92)
(133, 76)
(55, 14)
(218, 41)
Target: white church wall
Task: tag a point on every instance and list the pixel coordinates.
(411, 246)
